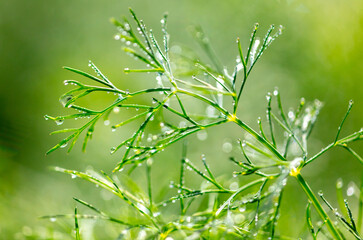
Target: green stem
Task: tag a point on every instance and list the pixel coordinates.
(243, 125)
(334, 232)
(360, 206)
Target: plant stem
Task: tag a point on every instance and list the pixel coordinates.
(334, 232)
(243, 125)
(360, 206)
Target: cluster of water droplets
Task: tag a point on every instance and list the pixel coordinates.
(254, 48)
(311, 113)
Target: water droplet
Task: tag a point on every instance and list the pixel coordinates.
(268, 96)
(242, 209)
(202, 135)
(117, 37)
(233, 186)
(106, 122)
(59, 121)
(142, 235)
(63, 145)
(112, 150)
(149, 162)
(320, 193)
(113, 128)
(127, 27)
(339, 183)
(52, 219)
(156, 214)
(64, 100)
(291, 115)
(210, 111)
(227, 147)
(302, 101)
(116, 110)
(284, 182)
(350, 191)
(142, 208)
(182, 124)
(276, 92)
(317, 103)
(73, 176)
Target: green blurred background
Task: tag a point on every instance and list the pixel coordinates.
(319, 56)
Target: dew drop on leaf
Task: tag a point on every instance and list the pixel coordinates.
(339, 183)
(350, 191)
(242, 209)
(268, 96)
(113, 149)
(65, 99)
(59, 121)
(63, 145)
(291, 115)
(116, 110)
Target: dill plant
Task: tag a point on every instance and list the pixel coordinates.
(250, 211)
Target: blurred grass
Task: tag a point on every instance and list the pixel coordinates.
(318, 56)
